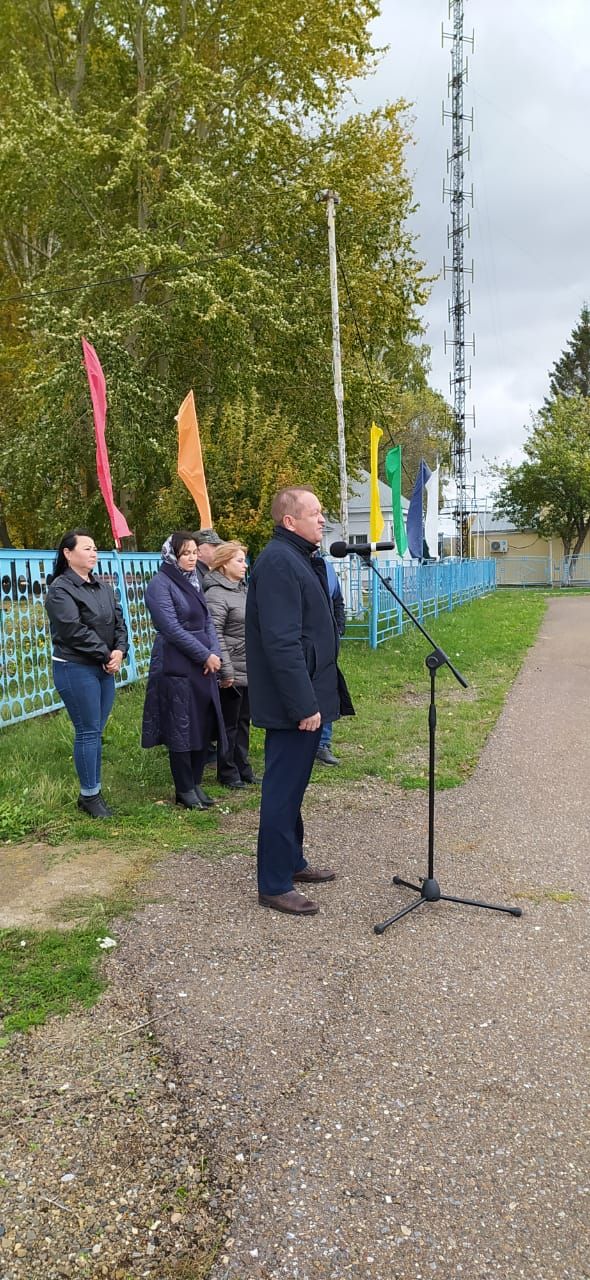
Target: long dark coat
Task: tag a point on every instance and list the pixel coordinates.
(179, 696)
(291, 637)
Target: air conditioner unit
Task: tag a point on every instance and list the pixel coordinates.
(499, 545)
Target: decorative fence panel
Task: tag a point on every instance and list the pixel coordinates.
(26, 684)
(523, 571)
(427, 590)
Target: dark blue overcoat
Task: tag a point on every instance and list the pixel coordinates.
(291, 637)
(179, 696)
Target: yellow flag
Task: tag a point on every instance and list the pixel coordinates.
(190, 458)
(376, 521)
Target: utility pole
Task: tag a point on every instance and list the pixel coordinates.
(459, 304)
(331, 199)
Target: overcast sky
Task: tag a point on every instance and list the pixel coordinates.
(529, 86)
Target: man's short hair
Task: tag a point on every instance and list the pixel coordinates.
(287, 502)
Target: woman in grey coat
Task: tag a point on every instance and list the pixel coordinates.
(225, 592)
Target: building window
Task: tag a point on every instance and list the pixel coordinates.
(363, 538)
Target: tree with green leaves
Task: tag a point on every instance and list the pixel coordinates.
(570, 375)
(550, 490)
(158, 171)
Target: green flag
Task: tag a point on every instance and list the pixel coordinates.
(393, 472)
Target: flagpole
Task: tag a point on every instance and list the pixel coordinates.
(331, 199)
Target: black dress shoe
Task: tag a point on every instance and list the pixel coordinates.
(205, 799)
(253, 781)
(94, 806)
(238, 785)
(189, 800)
(324, 755)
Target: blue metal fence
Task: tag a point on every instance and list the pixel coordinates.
(26, 685)
(427, 590)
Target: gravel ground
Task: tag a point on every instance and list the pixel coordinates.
(384, 1108)
(101, 1159)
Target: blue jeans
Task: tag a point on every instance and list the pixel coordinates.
(326, 734)
(88, 694)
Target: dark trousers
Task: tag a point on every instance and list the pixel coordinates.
(187, 768)
(88, 694)
(233, 765)
(289, 756)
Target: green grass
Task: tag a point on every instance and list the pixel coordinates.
(46, 973)
(486, 640)
(38, 787)
(561, 896)
(387, 739)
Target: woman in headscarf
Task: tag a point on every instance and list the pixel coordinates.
(182, 709)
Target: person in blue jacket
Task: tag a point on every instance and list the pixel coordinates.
(324, 752)
(294, 684)
(182, 709)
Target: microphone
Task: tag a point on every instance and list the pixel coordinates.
(339, 549)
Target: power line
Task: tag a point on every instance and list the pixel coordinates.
(81, 287)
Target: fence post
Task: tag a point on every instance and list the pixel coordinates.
(374, 610)
(130, 659)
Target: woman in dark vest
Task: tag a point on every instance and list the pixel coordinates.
(182, 709)
(89, 644)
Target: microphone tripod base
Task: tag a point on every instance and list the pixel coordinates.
(429, 891)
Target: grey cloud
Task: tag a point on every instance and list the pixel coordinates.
(529, 84)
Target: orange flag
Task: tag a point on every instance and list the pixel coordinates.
(190, 458)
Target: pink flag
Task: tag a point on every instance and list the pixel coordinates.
(98, 393)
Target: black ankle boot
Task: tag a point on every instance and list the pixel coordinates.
(94, 806)
(205, 799)
(189, 800)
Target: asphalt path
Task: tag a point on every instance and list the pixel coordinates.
(410, 1105)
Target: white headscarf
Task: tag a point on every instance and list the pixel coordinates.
(169, 557)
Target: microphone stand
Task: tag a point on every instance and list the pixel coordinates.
(428, 888)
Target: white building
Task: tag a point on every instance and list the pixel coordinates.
(359, 508)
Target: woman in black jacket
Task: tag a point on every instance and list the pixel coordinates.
(89, 644)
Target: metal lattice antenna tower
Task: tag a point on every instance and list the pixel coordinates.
(459, 304)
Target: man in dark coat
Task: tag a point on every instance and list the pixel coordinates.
(294, 682)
